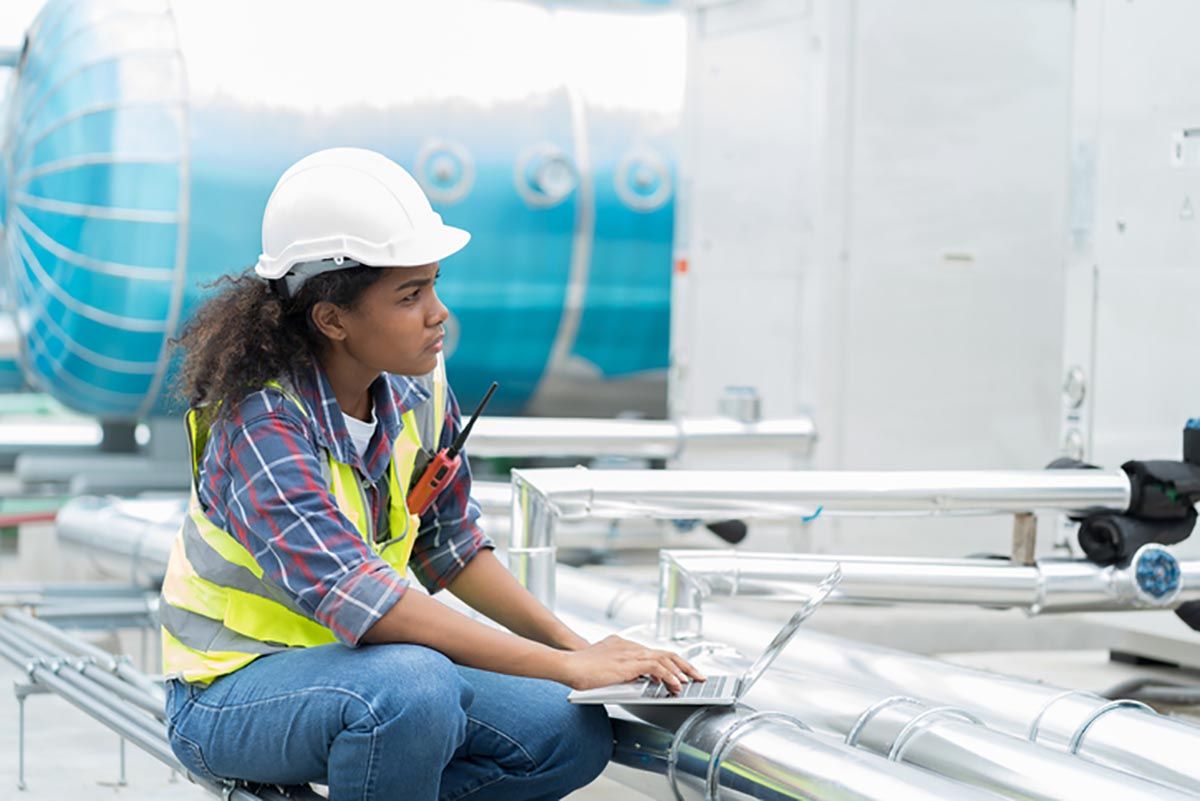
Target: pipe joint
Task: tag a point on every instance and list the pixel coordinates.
(924, 720)
(680, 598)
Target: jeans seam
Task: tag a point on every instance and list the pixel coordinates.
(533, 763)
(195, 747)
(285, 696)
(369, 784)
(503, 775)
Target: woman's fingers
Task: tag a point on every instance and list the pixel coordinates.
(687, 668)
(657, 670)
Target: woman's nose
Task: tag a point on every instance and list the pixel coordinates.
(440, 312)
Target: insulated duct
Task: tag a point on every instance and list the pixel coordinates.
(1153, 580)
(1129, 737)
(543, 498)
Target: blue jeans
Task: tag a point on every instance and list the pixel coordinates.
(388, 722)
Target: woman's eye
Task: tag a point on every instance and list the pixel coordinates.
(411, 297)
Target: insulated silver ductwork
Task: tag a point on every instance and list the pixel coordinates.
(1117, 734)
(541, 498)
(941, 739)
(734, 754)
(130, 539)
(564, 437)
(1154, 579)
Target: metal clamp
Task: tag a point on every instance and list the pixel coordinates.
(923, 721)
(1081, 732)
(740, 728)
(1035, 726)
(874, 709)
(676, 744)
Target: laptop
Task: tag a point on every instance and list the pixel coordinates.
(721, 690)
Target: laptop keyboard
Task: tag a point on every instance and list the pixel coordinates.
(714, 687)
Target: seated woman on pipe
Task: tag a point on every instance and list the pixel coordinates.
(295, 649)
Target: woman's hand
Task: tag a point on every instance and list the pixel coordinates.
(614, 660)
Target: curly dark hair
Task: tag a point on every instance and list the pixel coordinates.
(247, 334)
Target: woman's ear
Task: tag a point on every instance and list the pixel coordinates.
(327, 317)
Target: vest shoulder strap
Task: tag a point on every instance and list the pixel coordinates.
(431, 415)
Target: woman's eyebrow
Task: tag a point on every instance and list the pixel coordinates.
(415, 282)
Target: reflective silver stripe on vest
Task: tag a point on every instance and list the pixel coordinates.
(202, 633)
(211, 566)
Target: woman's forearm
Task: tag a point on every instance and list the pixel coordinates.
(416, 618)
(486, 586)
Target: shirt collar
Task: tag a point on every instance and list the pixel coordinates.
(391, 396)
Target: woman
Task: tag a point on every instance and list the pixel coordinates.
(295, 649)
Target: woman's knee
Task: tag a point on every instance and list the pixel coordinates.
(590, 732)
(414, 685)
(581, 737)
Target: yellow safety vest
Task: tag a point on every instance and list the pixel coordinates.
(219, 613)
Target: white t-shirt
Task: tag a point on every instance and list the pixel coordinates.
(361, 432)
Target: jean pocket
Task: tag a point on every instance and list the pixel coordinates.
(189, 755)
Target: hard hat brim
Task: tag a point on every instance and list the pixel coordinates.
(431, 246)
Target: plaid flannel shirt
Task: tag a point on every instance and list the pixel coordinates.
(261, 480)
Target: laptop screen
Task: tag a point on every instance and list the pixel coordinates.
(824, 588)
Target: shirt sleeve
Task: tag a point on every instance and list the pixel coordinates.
(450, 535)
(275, 502)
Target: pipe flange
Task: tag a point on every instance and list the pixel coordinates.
(874, 709)
(739, 729)
(676, 744)
(923, 721)
(1036, 725)
(1081, 732)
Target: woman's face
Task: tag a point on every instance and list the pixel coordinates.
(397, 326)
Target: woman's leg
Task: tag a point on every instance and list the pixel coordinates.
(525, 742)
(377, 722)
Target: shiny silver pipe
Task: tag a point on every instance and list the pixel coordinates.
(149, 699)
(118, 666)
(1122, 735)
(640, 439)
(1154, 579)
(779, 494)
(68, 681)
(138, 532)
(944, 740)
(540, 498)
(738, 753)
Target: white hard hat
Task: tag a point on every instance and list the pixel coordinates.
(345, 206)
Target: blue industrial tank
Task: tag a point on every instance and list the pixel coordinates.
(144, 137)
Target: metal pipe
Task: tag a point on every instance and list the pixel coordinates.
(139, 532)
(35, 647)
(117, 665)
(711, 494)
(1154, 579)
(742, 754)
(1132, 739)
(540, 498)
(103, 705)
(945, 740)
(640, 439)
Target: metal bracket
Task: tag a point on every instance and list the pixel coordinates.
(1024, 539)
